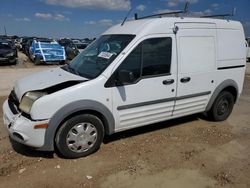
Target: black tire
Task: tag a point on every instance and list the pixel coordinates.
(13, 63)
(62, 62)
(62, 139)
(222, 107)
(37, 61)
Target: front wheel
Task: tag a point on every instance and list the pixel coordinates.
(80, 136)
(222, 106)
(62, 62)
(37, 60)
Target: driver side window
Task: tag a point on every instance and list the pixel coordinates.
(151, 58)
(133, 62)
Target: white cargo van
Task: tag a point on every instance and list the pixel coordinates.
(138, 73)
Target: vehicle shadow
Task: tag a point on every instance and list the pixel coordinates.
(7, 65)
(151, 128)
(29, 151)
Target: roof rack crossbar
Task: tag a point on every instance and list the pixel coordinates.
(221, 15)
(184, 11)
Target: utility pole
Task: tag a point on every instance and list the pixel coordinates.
(5, 31)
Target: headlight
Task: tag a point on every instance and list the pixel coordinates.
(28, 99)
(38, 52)
(10, 54)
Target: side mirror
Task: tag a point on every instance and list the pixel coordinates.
(125, 77)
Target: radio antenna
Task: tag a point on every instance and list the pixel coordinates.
(126, 17)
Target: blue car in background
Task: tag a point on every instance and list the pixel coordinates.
(47, 51)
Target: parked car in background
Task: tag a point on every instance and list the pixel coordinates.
(13, 46)
(27, 46)
(7, 53)
(70, 48)
(18, 43)
(30, 53)
(24, 43)
(248, 49)
(76, 41)
(87, 41)
(81, 46)
(47, 51)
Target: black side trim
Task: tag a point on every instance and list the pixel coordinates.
(161, 101)
(193, 95)
(231, 67)
(144, 103)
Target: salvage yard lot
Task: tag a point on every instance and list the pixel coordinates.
(187, 152)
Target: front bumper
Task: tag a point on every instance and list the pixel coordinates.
(21, 129)
(7, 59)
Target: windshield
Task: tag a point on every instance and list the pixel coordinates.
(4, 45)
(98, 56)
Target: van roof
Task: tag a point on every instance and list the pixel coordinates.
(165, 24)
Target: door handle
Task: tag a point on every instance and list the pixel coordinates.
(168, 82)
(185, 79)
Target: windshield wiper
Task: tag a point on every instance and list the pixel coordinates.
(71, 70)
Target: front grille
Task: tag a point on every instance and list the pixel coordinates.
(13, 102)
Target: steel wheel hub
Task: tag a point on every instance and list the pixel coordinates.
(223, 107)
(81, 137)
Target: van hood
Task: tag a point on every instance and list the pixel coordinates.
(45, 79)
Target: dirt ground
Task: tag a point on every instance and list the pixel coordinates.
(189, 152)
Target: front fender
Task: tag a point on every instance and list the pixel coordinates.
(71, 108)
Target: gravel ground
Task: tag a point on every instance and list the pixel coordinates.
(186, 152)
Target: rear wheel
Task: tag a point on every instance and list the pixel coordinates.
(80, 136)
(222, 106)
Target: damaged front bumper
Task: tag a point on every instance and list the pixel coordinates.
(22, 129)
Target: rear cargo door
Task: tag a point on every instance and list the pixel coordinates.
(196, 46)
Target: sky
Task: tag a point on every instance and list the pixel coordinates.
(90, 18)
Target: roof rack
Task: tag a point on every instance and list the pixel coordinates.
(221, 15)
(184, 11)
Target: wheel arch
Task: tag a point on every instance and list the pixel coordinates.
(227, 85)
(76, 108)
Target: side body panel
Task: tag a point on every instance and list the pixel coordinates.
(231, 58)
(196, 44)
